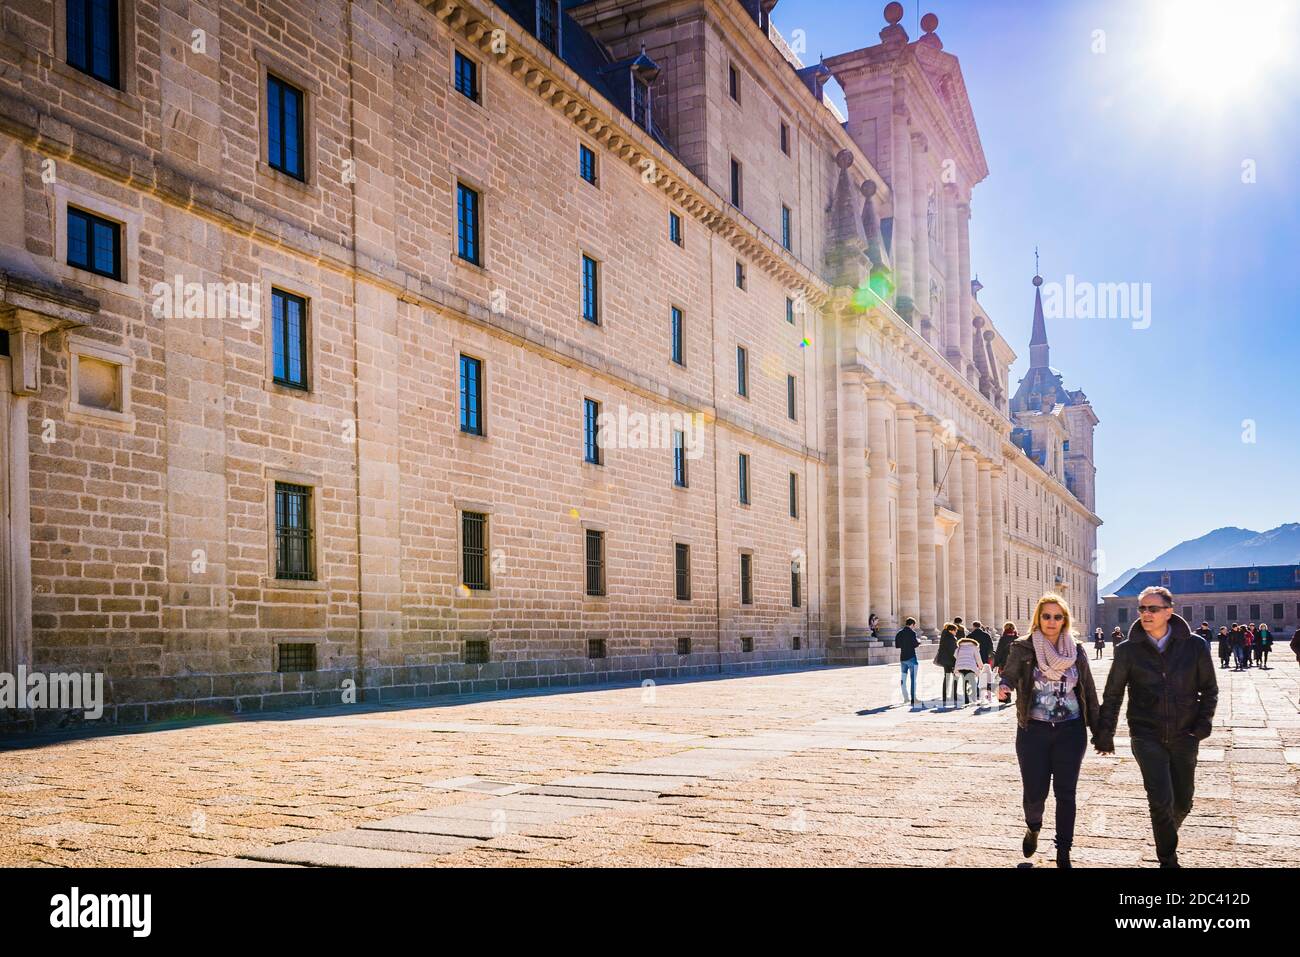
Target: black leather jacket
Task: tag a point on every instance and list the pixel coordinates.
(1171, 695)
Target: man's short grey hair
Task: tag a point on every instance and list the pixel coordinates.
(1163, 592)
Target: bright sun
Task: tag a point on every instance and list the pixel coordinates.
(1220, 52)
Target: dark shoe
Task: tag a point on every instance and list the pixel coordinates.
(1063, 859)
(1170, 862)
(1030, 843)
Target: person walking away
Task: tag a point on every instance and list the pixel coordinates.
(1258, 644)
(946, 658)
(968, 666)
(1225, 646)
(1172, 691)
(981, 635)
(1265, 644)
(1099, 643)
(1056, 703)
(1004, 645)
(1248, 644)
(1238, 639)
(906, 642)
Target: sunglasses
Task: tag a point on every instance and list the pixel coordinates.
(1052, 617)
(1152, 609)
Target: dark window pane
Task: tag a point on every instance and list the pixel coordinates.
(467, 224)
(284, 126)
(679, 458)
(94, 244)
(92, 38)
(548, 24)
(640, 104)
(790, 398)
(742, 371)
(586, 164)
(744, 478)
(794, 495)
(683, 569)
(746, 579)
(466, 76)
(677, 335)
(590, 290)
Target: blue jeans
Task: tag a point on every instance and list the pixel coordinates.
(908, 671)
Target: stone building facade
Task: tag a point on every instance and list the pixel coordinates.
(1259, 594)
(373, 349)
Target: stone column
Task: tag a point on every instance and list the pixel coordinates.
(909, 590)
(996, 479)
(881, 545)
(901, 191)
(966, 312)
(953, 485)
(952, 337)
(925, 534)
(989, 550)
(970, 532)
(855, 565)
(921, 238)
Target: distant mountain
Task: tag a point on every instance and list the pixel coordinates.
(1224, 548)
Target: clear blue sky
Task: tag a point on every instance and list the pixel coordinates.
(1126, 166)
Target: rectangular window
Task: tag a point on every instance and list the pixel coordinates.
(789, 310)
(676, 350)
(1252, 577)
(590, 290)
(682, 558)
(92, 38)
(289, 339)
(474, 550)
(742, 372)
(477, 652)
(1187, 613)
(795, 592)
(641, 104)
(1209, 578)
(785, 139)
(735, 182)
(94, 244)
(740, 274)
(293, 533)
(471, 395)
(794, 495)
(1121, 616)
(683, 644)
(591, 431)
(595, 563)
(733, 83)
(743, 478)
(296, 656)
(679, 458)
(747, 644)
(675, 228)
(746, 578)
(785, 226)
(468, 245)
(284, 127)
(548, 24)
(1232, 613)
(466, 76)
(1254, 613)
(791, 402)
(595, 647)
(1278, 613)
(1209, 613)
(587, 163)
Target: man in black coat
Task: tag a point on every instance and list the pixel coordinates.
(1169, 676)
(985, 640)
(906, 642)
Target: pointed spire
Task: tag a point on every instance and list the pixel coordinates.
(1038, 349)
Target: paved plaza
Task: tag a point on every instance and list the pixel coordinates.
(818, 767)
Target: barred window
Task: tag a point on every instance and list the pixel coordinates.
(675, 228)
(474, 545)
(595, 563)
(743, 475)
(794, 495)
(746, 578)
(682, 557)
(641, 103)
(785, 226)
(791, 398)
(296, 656)
(293, 532)
(676, 351)
(795, 593)
(548, 24)
(742, 371)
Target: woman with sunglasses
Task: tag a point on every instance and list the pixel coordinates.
(1056, 701)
